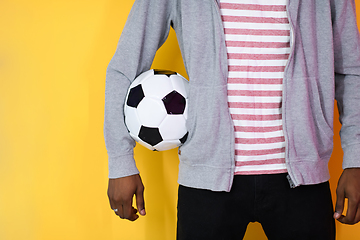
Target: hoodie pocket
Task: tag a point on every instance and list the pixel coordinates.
(210, 139)
(309, 119)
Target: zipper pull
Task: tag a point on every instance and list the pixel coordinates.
(292, 185)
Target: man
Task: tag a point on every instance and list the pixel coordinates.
(263, 79)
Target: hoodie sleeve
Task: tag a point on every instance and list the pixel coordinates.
(146, 29)
(347, 78)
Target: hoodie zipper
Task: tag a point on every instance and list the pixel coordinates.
(231, 121)
(292, 41)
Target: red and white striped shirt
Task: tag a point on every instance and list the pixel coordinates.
(257, 36)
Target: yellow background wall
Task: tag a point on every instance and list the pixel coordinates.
(53, 162)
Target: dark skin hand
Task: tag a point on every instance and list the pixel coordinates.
(348, 187)
(121, 192)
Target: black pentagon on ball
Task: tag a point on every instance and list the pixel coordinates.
(174, 103)
(164, 72)
(136, 94)
(150, 135)
(184, 138)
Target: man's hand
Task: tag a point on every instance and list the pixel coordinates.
(121, 192)
(348, 187)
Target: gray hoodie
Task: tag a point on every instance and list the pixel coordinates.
(324, 64)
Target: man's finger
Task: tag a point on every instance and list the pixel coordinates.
(129, 211)
(111, 201)
(340, 202)
(351, 212)
(115, 207)
(135, 215)
(120, 212)
(357, 217)
(140, 203)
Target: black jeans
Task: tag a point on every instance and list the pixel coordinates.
(305, 212)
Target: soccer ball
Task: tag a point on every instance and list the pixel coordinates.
(156, 110)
